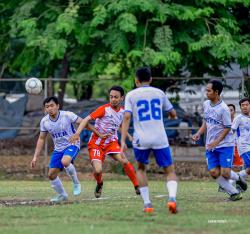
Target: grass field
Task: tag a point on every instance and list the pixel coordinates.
(201, 210)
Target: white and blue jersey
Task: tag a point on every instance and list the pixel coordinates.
(60, 129)
(217, 118)
(241, 125)
(146, 105)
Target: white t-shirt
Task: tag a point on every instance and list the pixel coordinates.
(241, 125)
(217, 118)
(146, 105)
(60, 129)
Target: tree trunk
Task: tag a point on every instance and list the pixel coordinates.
(64, 74)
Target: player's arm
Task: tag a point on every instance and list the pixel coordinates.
(76, 137)
(39, 148)
(130, 138)
(201, 131)
(125, 126)
(92, 128)
(172, 114)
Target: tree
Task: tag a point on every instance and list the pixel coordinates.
(86, 39)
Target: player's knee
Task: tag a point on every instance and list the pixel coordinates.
(225, 174)
(214, 173)
(97, 170)
(52, 176)
(248, 170)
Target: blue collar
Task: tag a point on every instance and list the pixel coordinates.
(218, 103)
(56, 118)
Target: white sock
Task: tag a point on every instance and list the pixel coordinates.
(234, 175)
(145, 194)
(56, 184)
(224, 183)
(71, 171)
(172, 188)
(243, 174)
(231, 181)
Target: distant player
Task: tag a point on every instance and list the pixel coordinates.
(219, 140)
(59, 124)
(146, 104)
(241, 126)
(108, 119)
(237, 161)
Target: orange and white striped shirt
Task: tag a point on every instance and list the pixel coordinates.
(107, 121)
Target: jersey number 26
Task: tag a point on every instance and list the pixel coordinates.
(148, 110)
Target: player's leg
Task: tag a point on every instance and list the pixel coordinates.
(54, 169)
(128, 168)
(97, 158)
(225, 155)
(68, 157)
(142, 160)
(244, 173)
(164, 159)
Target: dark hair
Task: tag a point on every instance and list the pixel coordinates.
(232, 105)
(117, 88)
(216, 86)
(246, 99)
(143, 74)
(52, 98)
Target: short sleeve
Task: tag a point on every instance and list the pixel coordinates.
(98, 113)
(236, 123)
(42, 126)
(167, 106)
(72, 116)
(128, 104)
(226, 118)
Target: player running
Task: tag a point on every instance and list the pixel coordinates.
(108, 119)
(146, 104)
(59, 124)
(241, 126)
(219, 140)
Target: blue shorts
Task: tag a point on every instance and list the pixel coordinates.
(246, 159)
(56, 157)
(220, 157)
(162, 156)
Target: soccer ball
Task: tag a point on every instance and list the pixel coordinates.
(33, 86)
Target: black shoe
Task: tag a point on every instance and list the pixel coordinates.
(235, 197)
(241, 184)
(98, 190)
(137, 190)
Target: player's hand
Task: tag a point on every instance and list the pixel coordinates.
(196, 137)
(74, 138)
(212, 145)
(123, 147)
(104, 136)
(33, 162)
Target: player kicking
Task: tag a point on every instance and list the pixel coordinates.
(146, 104)
(59, 124)
(241, 126)
(219, 140)
(108, 119)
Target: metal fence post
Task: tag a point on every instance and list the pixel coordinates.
(242, 87)
(46, 141)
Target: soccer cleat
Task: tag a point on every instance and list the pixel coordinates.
(241, 184)
(59, 198)
(172, 206)
(148, 208)
(77, 189)
(137, 190)
(98, 190)
(235, 197)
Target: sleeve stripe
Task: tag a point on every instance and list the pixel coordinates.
(75, 119)
(128, 111)
(170, 109)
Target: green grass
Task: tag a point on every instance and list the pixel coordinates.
(199, 205)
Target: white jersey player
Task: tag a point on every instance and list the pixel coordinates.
(146, 104)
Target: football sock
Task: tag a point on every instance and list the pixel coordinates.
(234, 175)
(130, 172)
(98, 177)
(243, 174)
(56, 184)
(224, 183)
(172, 189)
(71, 171)
(145, 195)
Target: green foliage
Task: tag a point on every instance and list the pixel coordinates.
(112, 38)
